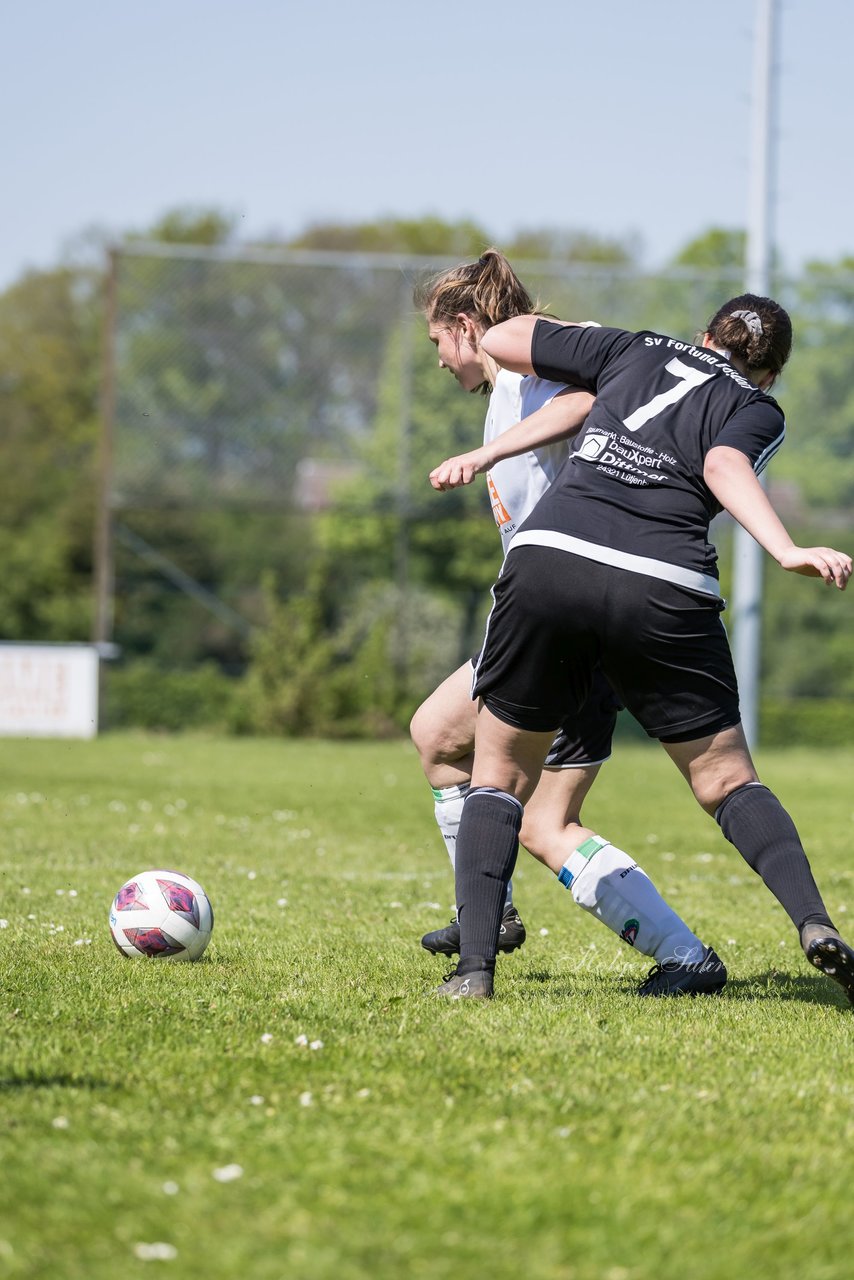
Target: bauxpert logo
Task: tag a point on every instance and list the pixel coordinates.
(593, 445)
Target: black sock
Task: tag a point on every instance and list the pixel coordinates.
(487, 844)
(753, 819)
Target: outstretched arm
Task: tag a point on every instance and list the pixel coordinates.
(731, 478)
(557, 420)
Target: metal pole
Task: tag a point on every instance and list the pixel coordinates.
(102, 627)
(747, 554)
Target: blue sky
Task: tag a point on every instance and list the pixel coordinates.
(613, 116)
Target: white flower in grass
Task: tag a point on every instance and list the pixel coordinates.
(395, 904)
(731, 942)
(301, 1040)
(72, 893)
(82, 942)
(4, 924)
(26, 890)
(171, 1188)
(251, 875)
(256, 1100)
(60, 893)
(60, 1122)
(281, 902)
(544, 933)
(228, 1173)
(363, 1093)
(305, 1099)
(157, 1251)
(316, 1044)
(267, 1038)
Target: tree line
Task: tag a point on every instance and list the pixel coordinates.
(388, 588)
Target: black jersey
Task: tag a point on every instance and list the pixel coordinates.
(634, 481)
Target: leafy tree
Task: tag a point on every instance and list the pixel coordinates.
(49, 349)
(417, 236)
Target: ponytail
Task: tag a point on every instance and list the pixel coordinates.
(487, 290)
(754, 329)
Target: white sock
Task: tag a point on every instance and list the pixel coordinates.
(448, 808)
(611, 886)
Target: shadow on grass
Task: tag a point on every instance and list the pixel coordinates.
(788, 986)
(778, 986)
(56, 1080)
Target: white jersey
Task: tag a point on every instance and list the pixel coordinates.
(517, 484)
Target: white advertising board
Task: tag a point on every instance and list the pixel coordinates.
(48, 690)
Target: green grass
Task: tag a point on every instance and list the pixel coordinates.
(565, 1131)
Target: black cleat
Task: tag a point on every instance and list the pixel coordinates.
(474, 984)
(704, 978)
(446, 942)
(825, 949)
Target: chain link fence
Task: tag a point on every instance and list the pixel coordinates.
(262, 407)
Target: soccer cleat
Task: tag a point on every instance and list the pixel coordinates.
(704, 978)
(825, 949)
(474, 984)
(446, 942)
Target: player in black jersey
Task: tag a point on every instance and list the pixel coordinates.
(614, 566)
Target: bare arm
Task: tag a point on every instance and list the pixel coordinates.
(557, 420)
(732, 480)
(509, 343)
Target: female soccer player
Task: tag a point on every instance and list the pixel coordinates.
(614, 567)
(460, 305)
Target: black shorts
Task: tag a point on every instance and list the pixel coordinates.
(663, 648)
(585, 737)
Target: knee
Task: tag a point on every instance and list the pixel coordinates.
(422, 733)
(433, 740)
(711, 790)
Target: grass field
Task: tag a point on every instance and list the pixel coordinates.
(165, 1119)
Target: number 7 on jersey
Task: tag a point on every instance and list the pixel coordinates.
(688, 378)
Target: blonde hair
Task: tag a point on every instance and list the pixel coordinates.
(487, 290)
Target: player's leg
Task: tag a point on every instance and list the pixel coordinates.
(506, 770)
(720, 772)
(690, 703)
(442, 731)
(603, 879)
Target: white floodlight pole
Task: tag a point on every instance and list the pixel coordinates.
(747, 554)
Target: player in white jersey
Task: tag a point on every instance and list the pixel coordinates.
(614, 568)
(459, 305)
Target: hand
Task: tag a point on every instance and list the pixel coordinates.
(454, 472)
(818, 562)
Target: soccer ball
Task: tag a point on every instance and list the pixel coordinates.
(161, 914)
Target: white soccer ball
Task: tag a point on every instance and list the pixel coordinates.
(163, 915)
